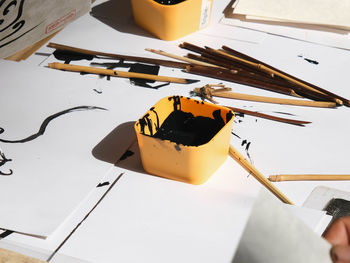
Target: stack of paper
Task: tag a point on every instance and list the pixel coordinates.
(313, 12)
(317, 21)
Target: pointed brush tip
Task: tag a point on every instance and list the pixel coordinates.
(191, 81)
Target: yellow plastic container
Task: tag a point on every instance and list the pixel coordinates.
(170, 22)
(190, 164)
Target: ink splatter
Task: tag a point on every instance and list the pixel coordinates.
(146, 69)
(311, 61)
(68, 56)
(98, 91)
(102, 184)
(3, 161)
(177, 147)
(47, 121)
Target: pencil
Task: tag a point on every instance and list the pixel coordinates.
(257, 175)
(161, 62)
(116, 73)
(309, 177)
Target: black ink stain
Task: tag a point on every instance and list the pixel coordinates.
(48, 120)
(177, 147)
(103, 184)
(311, 61)
(68, 56)
(97, 91)
(236, 135)
(127, 154)
(3, 161)
(145, 69)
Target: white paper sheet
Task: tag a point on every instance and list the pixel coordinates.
(54, 172)
(273, 234)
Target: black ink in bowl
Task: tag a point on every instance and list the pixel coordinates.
(184, 128)
(168, 2)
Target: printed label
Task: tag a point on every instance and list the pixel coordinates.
(60, 22)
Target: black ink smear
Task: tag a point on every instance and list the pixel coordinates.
(177, 147)
(236, 135)
(127, 154)
(102, 184)
(47, 121)
(3, 161)
(145, 69)
(112, 65)
(68, 56)
(97, 91)
(311, 61)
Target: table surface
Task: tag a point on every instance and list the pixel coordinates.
(144, 218)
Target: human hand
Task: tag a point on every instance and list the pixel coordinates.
(338, 234)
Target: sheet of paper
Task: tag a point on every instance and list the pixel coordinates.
(315, 219)
(273, 234)
(153, 215)
(319, 12)
(25, 22)
(48, 133)
(313, 34)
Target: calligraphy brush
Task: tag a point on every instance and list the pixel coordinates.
(161, 62)
(308, 177)
(116, 73)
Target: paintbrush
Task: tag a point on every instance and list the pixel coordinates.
(120, 74)
(309, 177)
(236, 155)
(161, 62)
(208, 92)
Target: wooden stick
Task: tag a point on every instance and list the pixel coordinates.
(166, 63)
(293, 102)
(225, 74)
(277, 73)
(116, 73)
(185, 59)
(269, 117)
(309, 177)
(232, 51)
(257, 175)
(301, 87)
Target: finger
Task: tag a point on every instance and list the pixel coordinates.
(339, 232)
(340, 254)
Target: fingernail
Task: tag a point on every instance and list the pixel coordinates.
(340, 253)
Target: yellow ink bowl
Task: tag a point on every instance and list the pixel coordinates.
(185, 163)
(170, 22)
